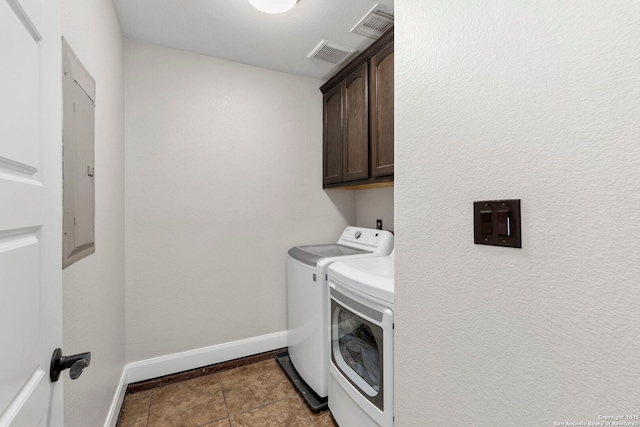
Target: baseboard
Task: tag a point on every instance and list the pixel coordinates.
(118, 398)
(178, 362)
(192, 359)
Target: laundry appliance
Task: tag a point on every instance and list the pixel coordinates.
(307, 360)
(361, 367)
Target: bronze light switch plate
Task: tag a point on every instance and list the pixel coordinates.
(497, 223)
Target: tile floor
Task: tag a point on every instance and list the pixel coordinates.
(254, 395)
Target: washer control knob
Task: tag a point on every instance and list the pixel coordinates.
(358, 234)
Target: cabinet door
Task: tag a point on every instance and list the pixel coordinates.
(355, 143)
(382, 112)
(332, 136)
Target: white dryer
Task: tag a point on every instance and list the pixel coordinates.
(307, 362)
(361, 367)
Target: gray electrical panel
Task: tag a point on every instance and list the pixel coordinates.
(78, 91)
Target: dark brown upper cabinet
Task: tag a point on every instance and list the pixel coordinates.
(358, 120)
(382, 113)
(332, 136)
(346, 133)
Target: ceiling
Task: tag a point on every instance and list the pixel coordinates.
(235, 31)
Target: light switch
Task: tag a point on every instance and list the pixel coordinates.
(497, 223)
(486, 223)
(504, 222)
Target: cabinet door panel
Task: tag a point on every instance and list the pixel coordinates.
(356, 127)
(332, 136)
(382, 113)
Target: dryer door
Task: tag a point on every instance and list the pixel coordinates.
(357, 344)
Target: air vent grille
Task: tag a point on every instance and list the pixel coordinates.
(377, 22)
(330, 52)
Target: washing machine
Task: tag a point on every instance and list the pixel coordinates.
(307, 360)
(361, 367)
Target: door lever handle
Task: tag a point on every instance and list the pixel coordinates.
(76, 363)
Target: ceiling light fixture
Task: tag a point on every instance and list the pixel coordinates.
(273, 6)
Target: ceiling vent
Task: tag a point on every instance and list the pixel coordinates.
(378, 21)
(331, 52)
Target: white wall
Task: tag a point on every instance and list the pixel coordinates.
(94, 286)
(223, 177)
(374, 204)
(533, 100)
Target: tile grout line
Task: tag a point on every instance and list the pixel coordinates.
(149, 409)
(224, 397)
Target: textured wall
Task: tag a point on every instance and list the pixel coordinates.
(94, 286)
(223, 177)
(535, 100)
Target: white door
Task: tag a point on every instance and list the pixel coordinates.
(30, 211)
